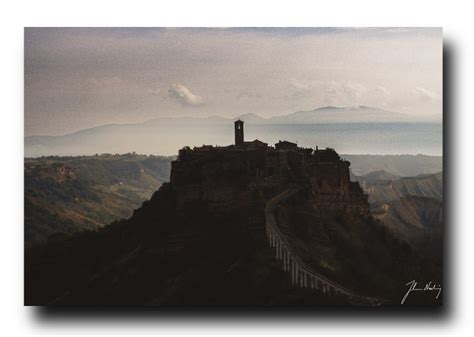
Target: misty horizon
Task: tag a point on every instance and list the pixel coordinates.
(404, 118)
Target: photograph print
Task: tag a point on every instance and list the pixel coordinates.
(261, 167)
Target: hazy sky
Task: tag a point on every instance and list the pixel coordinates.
(77, 78)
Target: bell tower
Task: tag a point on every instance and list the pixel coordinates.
(239, 132)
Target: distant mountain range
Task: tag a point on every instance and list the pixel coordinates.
(330, 114)
(327, 114)
(165, 136)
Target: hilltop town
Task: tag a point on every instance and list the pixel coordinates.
(210, 172)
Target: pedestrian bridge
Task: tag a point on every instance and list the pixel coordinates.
(303, 275)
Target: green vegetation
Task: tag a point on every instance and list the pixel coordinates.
(69, 194)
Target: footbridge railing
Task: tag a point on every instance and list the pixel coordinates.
(302, 275)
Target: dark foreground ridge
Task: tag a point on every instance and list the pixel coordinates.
(214, 235)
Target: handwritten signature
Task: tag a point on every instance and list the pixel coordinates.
(428, 287)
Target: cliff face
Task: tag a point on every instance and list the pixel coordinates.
(221, 180)
(224, 178)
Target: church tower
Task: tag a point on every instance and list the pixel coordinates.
(239, 132)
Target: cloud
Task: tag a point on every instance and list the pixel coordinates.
(301, 88)
(155, 91)
(248, 95)
(107, 84)
(184, 96)
(341, 92)
(346, 93)
(300, 84)
(382, 90)
(425, 94)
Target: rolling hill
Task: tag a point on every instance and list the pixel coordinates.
(383, 191)
(70, 194)
(410, 207)
(417, 220)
